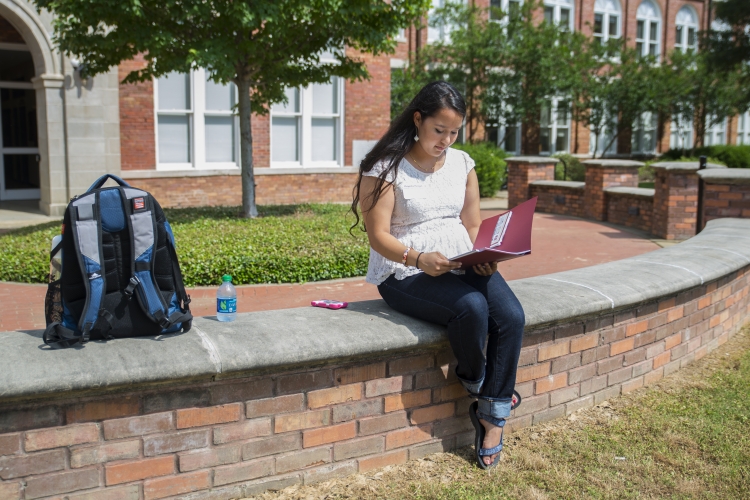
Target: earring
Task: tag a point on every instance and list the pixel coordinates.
(416, 138)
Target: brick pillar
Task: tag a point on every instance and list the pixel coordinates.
(524, 169)
(726, 193)
(602, 174)
(675, 215)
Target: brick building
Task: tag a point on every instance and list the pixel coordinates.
(652, 26)
(177, 137)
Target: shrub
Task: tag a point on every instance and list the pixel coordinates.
(287, 244)
(730, 155)
(490, 166)
(569, 168)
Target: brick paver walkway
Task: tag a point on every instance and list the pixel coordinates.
(559, 243)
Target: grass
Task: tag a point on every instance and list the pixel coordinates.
(286, 244)
(685, 437)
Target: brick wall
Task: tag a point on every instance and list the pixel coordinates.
(238, 437)
(226, 190)
(137, 135)
(602, 174)
(630, 210)
(521, 173)
(558, 199)
(723, 200)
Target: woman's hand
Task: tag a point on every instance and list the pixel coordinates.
(486, 269)
(435, 263)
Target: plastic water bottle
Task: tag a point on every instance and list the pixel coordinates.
(226, 300)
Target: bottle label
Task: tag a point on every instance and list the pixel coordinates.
(226, 305)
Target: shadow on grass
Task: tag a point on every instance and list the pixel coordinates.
(186, 215)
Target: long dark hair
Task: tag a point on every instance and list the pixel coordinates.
(399, 138)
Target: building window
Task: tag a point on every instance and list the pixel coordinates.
(686, 29)
(716, 134)
(644, 134)
(555, 127)
(19, 143)
(196, 126)
(743, 128)
(559, 12)
(648, 28)
(439, 32)
(681, 134)
(506, 137)
(605, 141)
(606, 20)
(501, 9)
(307, 130)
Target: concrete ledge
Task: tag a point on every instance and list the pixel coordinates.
(161, 174)
(532, 159)
(726, 176)
(683, 166)
(280, 340)
(613, 163)
(631, 191)
(562, 184)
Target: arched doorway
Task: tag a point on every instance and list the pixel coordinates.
(19, 139)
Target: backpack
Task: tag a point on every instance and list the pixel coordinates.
(120, 275)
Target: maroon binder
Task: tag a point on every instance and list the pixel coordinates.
(516, 240)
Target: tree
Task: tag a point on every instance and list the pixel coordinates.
(262, 46)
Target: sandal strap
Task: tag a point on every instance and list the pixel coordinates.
(491, 451)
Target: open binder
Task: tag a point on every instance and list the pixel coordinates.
(502, 237)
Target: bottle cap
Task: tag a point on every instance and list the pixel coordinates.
(226, 277)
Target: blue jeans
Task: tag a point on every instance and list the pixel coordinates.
(478, 311)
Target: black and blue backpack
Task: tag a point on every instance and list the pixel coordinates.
(120, 275)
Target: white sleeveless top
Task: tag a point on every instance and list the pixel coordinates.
(426, 214)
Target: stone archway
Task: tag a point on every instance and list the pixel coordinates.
(35, 29)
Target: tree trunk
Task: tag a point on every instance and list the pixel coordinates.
(531, 137)
(249, 210)
(699, 123)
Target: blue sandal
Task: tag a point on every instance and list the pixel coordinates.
(479, 438)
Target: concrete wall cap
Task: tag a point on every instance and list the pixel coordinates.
(602, 163)
(272, 341)
(532, 159)
(687, 166)
(726, 176)
(631, 191)
(563, 184)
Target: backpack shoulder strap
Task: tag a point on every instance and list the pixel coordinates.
(185, 317)
(141, 223)
(85, 218)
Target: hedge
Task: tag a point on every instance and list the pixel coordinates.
(490, 166)
(287, 244)
(729, 155)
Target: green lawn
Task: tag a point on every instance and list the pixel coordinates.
(285, 244)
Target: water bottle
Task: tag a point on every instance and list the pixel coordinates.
(55, 262)
(226, 300)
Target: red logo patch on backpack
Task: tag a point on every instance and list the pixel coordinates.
(139, 204)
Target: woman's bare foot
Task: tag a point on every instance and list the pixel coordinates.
(492, 436)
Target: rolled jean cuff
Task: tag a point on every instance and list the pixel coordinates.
(498, 409)
(473, 387)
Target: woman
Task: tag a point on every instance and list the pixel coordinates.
(420, 205)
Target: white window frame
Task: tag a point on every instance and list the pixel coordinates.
(680, 134)
(440, 33)
(16, 194)
(649, 14)
(554, 126)
(604, 137)
(717, 134)
(646, 122)
(686, 20)
(197, 126)
(305, 117)
(557, 6)
(743, 128)
(607, 9)
(504, 5)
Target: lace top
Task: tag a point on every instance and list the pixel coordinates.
(426, 214)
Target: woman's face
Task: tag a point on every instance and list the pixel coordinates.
(438, 132)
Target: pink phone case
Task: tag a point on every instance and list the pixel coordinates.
(329, 304)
